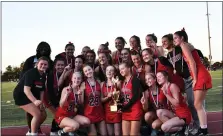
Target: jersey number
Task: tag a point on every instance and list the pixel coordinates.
(70, 107)
(126, 98)
(94, 101)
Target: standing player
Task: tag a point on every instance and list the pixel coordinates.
(91, 97)
(132, 108)
(201, 77)
(112, 119)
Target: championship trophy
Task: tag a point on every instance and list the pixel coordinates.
(115, 96)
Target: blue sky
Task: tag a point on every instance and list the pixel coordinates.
(25, 24)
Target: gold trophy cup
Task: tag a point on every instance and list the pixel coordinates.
(115, 96)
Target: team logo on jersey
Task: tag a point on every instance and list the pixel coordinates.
(38, 84)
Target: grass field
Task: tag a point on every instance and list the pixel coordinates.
(11, 115)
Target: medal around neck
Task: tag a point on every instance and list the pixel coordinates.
(174, 71)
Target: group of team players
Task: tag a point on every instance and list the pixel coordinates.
(82, 92)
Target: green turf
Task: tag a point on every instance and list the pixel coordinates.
(11, 115)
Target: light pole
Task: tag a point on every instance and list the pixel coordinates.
(209, 37)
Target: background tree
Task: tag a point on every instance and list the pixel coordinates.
(206, 62)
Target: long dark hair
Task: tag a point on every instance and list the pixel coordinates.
(43, 45)
(182, 33)
(137, 41)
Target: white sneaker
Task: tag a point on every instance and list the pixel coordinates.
(187, 131)
(28, 133)
(193, 131)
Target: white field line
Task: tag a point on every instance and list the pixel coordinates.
(22, 126)
(6, 92)
(7, 105)
(215, 121)
(216, 78)
(214, 112)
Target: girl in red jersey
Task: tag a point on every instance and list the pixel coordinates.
(126, 56)
(78, 62)
(152, 100)
(132, 108)
(93, 108)
(112, 119)
(201, 77)
(68, 55)
(104, 48)
(138, 69)
(116, 55)
(66, 114)
(103, 63)
(161, 63)
(178, 117)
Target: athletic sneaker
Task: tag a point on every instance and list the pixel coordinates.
(193, 131)
(72, 134)
(62, 133)
(187, 131)
(28, 133)
(201, 132)
(154, 132)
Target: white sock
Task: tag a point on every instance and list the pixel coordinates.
(204, 126)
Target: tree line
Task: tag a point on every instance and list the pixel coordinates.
(13, 73)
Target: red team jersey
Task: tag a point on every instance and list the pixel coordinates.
(162, 101)
(135, 113)
(93, 108)
(182, 111)
(110, 117)
(67, 110)
(175, 78)
(140, 75)
(204, 80)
